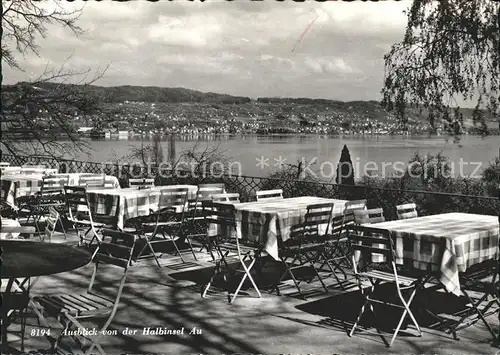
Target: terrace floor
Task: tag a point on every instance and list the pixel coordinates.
(168, 297)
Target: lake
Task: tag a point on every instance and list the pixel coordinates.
(262, 155)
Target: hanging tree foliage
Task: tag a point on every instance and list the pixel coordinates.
(450, 52)
(43, 104)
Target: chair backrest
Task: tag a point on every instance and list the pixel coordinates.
(338, 225)
(354, 205)
(118, 249)
(173, 197)
(219, 218)
(227, 197)
(375, 215)
(268, 194)
(366, 242)
(51, 222)
(205, 191)
(53, 184)
(11, 169)
(115, 248)
(91, 181)
(406, 211)
(349, 208)
(317, 220)
(29, 166)
(76, 198)
(141, 182)
(31, 171)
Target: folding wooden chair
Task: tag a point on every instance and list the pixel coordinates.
(35, 169)
(92, 181)
(227, 197)
(116, 249)
(306, 245)
(11, 170)
(354, 205)
(205, 191)
(349, 208)
(51, 195)
(406, 211)
(374, 215)
(220, 222)
(336, 247)
(480, 284)
(141, 182)
(7, 210)
(81, 217)
(365, 242)
(31, 166)
(195, 228)
(269, 194)
(481, 289)
(164, 226)
(51, 223)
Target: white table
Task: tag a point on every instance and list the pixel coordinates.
(449, 243)
(130, 202)
(266, 221)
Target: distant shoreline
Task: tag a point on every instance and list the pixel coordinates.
(165, 136)
(135, 136)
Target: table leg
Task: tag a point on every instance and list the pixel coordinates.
(17, 300)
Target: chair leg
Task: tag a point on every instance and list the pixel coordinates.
(480, 314)
(62, 227)
(247, 274)
(406, 311)
(22, 317)
(55, 344)
(191, 248)
(358, 318)
(215, 273)
(153, 252)
(316, 272)
(287, 271)
(377, 324)
(177, 249)
(332, 270)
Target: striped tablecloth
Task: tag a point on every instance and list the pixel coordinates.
(27, 170)
(449, 243)
(267, 221)
(130, 202)
(14, 186)
(74, 178)
(17, 185)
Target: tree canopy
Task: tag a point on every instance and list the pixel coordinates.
(29, 109)
(345, 169)
(450, 55)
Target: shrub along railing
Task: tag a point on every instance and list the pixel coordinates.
(428, 202)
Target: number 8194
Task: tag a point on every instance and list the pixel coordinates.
(39, 332)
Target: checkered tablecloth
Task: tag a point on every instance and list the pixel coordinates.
(74, 179)
(265, 222)
(17, 185)
(130, 202)
(27, 170)
(14, 186)
(448, 243)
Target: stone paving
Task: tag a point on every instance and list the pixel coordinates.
(167, 300)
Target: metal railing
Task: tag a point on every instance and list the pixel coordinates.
(428, 202)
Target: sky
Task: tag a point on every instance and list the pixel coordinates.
(332, 50)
